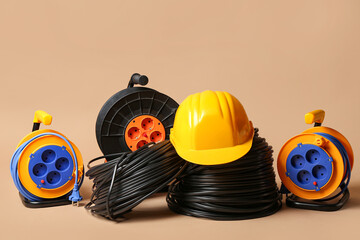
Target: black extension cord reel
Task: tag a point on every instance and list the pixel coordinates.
(134, 117)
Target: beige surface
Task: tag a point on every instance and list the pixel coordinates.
(280, 58)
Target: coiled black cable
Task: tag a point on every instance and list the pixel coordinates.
(124, 182)
(242, 189)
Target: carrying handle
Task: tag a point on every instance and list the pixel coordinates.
(136, 78)
(41, 117)
(316, 116)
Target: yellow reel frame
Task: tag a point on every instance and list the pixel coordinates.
(310, 137)
(24, 163)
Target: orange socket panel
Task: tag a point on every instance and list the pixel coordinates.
(142, 130)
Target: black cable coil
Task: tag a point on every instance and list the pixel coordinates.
(242, 189)
(124, 182)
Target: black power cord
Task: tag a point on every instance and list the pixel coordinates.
(124, 182)
(242, 189)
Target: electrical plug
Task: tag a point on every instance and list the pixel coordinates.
(75, 195)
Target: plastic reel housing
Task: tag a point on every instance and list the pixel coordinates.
(310, 166)
(46, 169)
(134, 117)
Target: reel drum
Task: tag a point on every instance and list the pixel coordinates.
(47, 168)
(314, 165)
(134, 117)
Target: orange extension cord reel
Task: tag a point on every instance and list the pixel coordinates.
(315, 167)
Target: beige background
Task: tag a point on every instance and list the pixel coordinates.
(281, 59)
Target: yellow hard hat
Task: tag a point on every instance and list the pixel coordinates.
(211, 128)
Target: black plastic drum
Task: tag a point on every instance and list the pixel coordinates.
(134, 117)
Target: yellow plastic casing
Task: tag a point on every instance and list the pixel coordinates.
(211, 128)
(316, 116)
(42, 117)
(309, 136)
(24, 159)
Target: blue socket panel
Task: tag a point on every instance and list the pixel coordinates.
(51, 167)
(309, 167)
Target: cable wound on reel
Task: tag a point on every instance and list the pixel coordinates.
(129, 178)
(46, 167)
(134, 117)
(315, 167)
(231, 175)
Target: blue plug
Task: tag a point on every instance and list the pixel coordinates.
(75, 195)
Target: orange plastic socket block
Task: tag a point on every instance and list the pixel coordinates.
(142, 130)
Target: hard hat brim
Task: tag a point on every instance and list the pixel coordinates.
(213, 156)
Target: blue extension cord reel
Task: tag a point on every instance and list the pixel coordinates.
(315, 167)
(46, 167)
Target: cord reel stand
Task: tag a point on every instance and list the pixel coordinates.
(294, 201)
